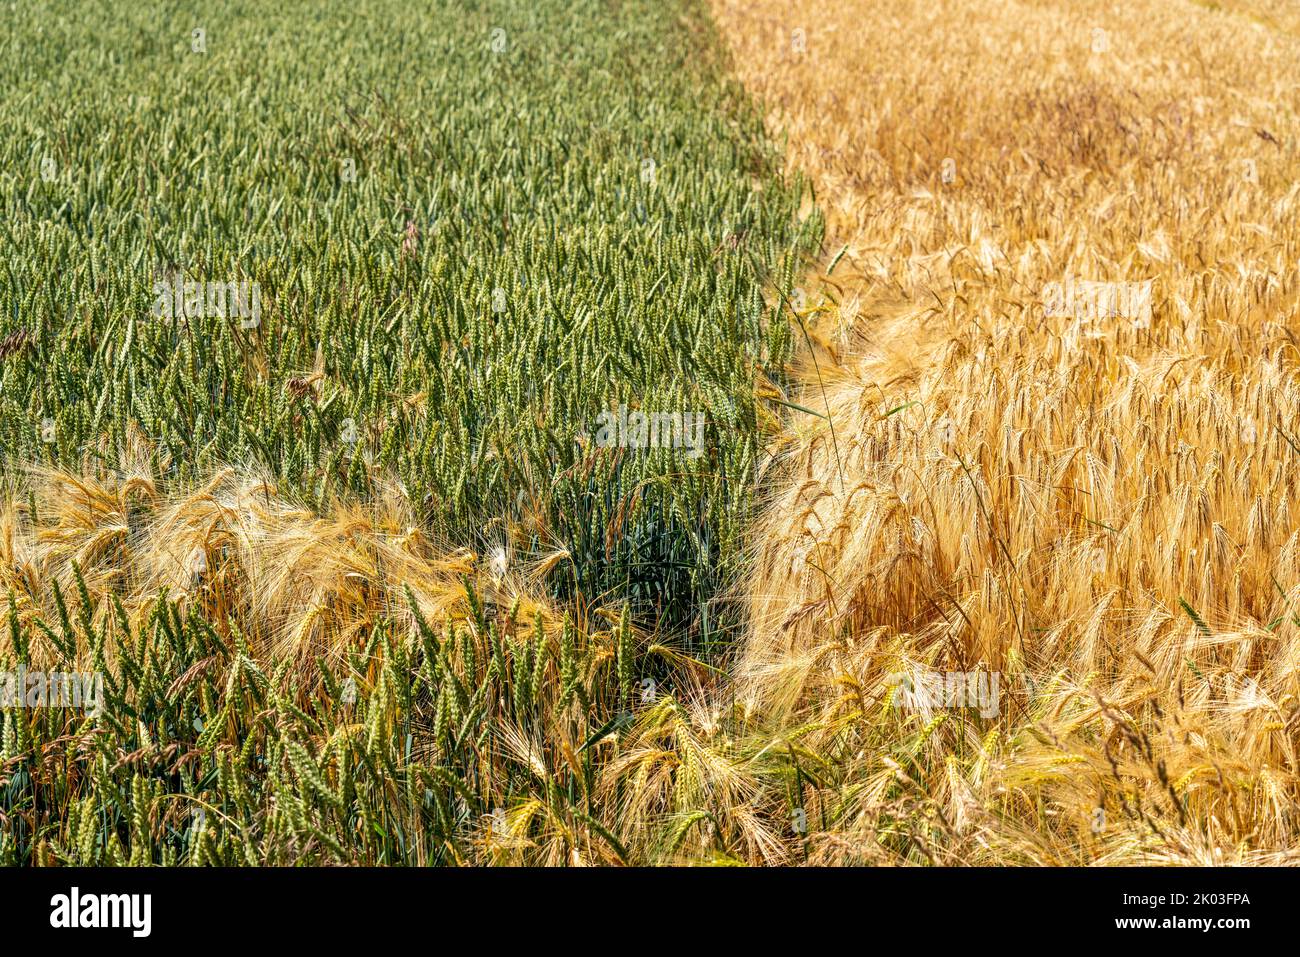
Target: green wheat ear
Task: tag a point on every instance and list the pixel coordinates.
(625, 662)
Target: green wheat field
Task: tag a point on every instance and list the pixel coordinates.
(474, 228)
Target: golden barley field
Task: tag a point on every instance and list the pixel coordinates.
(1100, 507)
